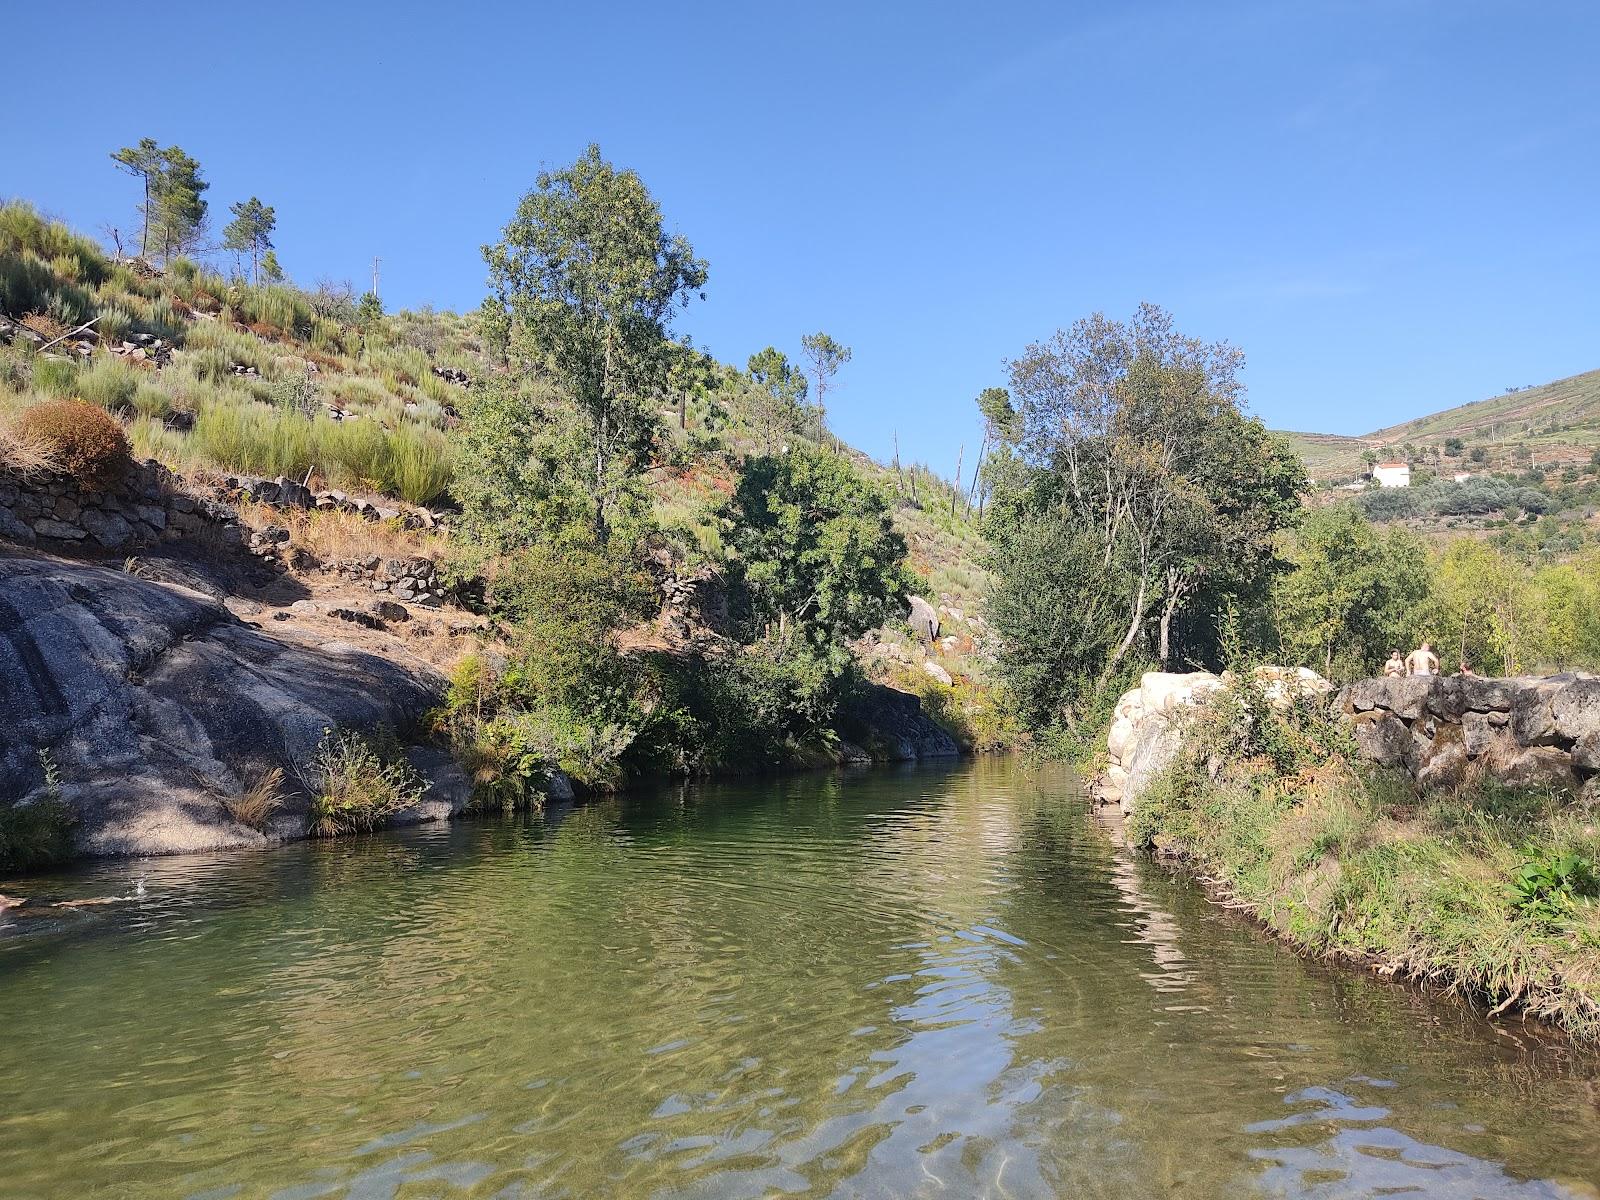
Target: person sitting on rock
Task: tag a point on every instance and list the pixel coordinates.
(1395, 667)
(1465, 671)
(1422, 661)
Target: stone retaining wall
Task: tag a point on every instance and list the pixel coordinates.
(53, 512)
(1447, 730)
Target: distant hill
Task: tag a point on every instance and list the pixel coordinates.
(1550, 425)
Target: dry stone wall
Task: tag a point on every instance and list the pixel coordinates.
(53, 512)
(1447, 730)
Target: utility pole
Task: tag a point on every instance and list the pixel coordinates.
(375, 261)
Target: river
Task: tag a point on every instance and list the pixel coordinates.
(929, 982)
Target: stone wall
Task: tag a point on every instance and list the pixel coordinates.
(1442, 730)
(53, 512)
(1446, 730)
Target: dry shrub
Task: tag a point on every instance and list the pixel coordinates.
(337, 535)
(44, 325)
(24, 454)
(85, 440)
(257, 804)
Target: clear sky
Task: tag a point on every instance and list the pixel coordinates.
(1391, 206)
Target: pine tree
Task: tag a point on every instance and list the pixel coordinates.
(250, 232)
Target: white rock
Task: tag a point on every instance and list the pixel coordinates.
(1117, 740)
(938, 672)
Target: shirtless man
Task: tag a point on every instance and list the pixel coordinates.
(1422, 661)
(1396, 665)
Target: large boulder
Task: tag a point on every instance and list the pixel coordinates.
(154, 704)
(924, 620)
(1156, 744)
(1382, 738)
(1164, 691)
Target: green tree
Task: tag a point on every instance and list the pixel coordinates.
(816, 546)
(592, 279)
(369, 311)
(781, 392)
(143, 161)
(250, 232)
(1129, 458)
(826, 356)
(1350, 595)
(271, 269)
(177, 204)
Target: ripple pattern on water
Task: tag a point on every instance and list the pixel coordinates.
(884, 984)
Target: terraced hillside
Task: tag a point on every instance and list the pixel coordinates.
(1552, 425)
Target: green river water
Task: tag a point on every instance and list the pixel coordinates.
(931, 982)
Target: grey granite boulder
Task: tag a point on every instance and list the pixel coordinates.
(155, 703)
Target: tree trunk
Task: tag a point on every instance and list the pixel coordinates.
(1139, 605)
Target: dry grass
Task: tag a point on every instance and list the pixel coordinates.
(24, 454)
(259, 802)
(336, 535)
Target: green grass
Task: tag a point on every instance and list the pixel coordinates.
(1343, 860)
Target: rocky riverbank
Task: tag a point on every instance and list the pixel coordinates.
(1439, 829)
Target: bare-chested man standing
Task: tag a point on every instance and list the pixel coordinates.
(1422, 661)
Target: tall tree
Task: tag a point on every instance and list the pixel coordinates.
(817, 546)
(144, 162)
(592, 279)
(271, 268)
(250, 232)
(826, 356)
(1127, 460)
(177, 203)
(781, 392)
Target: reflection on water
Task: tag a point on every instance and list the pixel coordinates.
(889, 984)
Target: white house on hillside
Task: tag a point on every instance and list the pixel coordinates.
(1392, 474)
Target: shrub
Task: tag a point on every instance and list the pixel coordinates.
(150, 401)
(109, 382)
(259, 802)
(421, 464)
(38, 832)
(25, 455)
(86, 440)
(354, 787)
(114, 323)
(56, 376)
(254, 438)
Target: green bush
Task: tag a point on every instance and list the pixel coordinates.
(355, 787)
(1547, 887)
(421, 464)
(38, 832)
(108, 382)
(56, 377)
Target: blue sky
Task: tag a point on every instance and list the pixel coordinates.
(1392, 206)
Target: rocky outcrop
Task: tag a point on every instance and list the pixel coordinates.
(156, 706)
(891, 726)
(1447, 730)
(1147, 726)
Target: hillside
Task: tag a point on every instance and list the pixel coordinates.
(1553, 425)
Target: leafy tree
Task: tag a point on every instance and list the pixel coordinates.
(1129, 460)
(591, 279)
(817, 548)
(143, 161)
(177, 203)
(826, 356)
(494, 326)
(1351, 595)
(271, 269)
(781, 391)
(369, 311)
(1453, 447)
(250, 232)
(521, 468)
